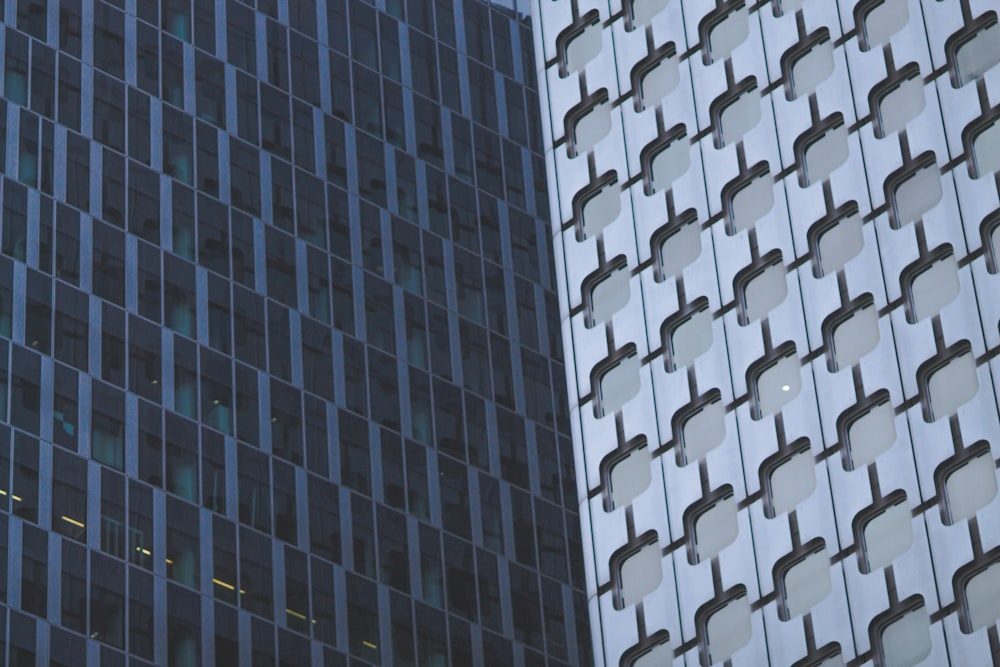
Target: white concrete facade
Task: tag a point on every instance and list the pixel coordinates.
(777, 239)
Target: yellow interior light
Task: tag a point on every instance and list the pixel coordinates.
(224, 584)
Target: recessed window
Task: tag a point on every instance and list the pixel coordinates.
(977, 592)
(665, 159)
(802, 579)
(878, 20)
(580, 43)
(948, 381)
(966, 483)
(913, 189)
(773, 381)
(866, 430)
(676, 245)
(642, 12)
(807, 64)
(722, 30)
(735, 112)
(821, 150)
(626, 473)
(636, 570)
(883, 532)
(699, 427)
(851, 332)
(761, 287)
(982, 144)
(606, 291)
(836, 239)
(897, 100)
(588, 123)
(902, 635)
(615, 381)
(974, 49)
(724, 625)
(711, 524)
(597, 205)
(930, 283)
(787, 478)
(748, 198)
(655, 76)
(687, 334)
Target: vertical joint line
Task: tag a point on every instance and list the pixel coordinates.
(956, 433)
(977, 543)
(793, 530)
(873, 481)
(890, 585)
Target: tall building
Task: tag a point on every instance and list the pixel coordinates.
(777, 241)
(281, 368)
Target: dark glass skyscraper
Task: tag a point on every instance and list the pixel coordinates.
(280, 367)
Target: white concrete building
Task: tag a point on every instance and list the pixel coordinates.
(777, 237)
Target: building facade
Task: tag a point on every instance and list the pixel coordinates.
(281, 367)
(777, 234)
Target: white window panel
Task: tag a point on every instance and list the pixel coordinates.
(644, 11)
(821, 152)
(803, 581)
(724, 32)
(885, 534)
(984, 148)
(878, 21)
(904, 638)
(913, 192)
(761, 289)
(774, 382)
(929, 285)
(989, 231)
(658, 82)
(660, 653)
(585, 46)
(836, 240)
(782, 7)
(588, 126)
(977, 593)
(747, 200)
(807, 65)
(975, 52)
(788, 479)
(687, 336)
(853, 334)
(948, 383)
(700, 428)
(737, 116)
(617, 383)
(713, 527)
(967, 485)
(600, 206)
(898, 101)
(629, 475)
(638, 571)
(669, 161)
(829, 655)
(727, 628)
(867, 431)
(609, 293)
(678, 245)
